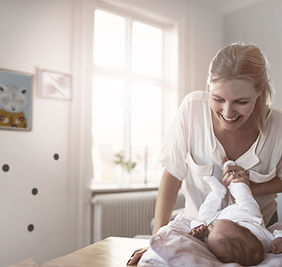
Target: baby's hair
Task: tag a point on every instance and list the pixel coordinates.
(226, 252)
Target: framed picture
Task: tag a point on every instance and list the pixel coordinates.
(54, 84)
(15, 100)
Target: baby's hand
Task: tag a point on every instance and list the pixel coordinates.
(235, 174)
(276, 245)
(199, 231)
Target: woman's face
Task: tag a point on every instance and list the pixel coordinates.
(232, 103)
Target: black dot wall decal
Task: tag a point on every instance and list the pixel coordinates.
(34, 191)
(30, 227)
(5, 168)
(56, 156)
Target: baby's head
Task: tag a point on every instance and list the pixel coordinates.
(230, 242)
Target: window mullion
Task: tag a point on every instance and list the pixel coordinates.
(128, 84)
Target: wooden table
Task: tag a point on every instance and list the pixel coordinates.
(110, 252)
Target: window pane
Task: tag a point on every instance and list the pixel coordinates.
(105, 170)
(147, 49)
(148, 167)
(109, 40)
(108, 110)
(146, 118)
(146, 100)
(108, 127)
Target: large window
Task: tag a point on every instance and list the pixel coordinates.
(132, 95)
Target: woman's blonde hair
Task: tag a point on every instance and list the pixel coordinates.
(239, 61)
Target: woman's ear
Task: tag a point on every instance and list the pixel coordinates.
(260, 89)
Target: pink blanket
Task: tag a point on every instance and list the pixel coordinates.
(172, 246)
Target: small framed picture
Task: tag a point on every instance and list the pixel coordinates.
(54, 84)
(15, 100)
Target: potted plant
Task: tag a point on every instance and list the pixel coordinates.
(127, 165)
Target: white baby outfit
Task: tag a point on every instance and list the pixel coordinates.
(245, 211)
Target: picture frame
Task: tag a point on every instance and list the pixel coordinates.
(16, 90)
(54, 84)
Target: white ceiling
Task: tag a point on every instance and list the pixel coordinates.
(227, 6)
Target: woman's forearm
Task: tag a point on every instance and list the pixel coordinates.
(273, 186)
(166, 199)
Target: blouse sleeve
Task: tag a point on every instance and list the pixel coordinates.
(175, 145)
(279, 169)
(276, 128)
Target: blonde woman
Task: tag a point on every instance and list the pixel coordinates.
(233, 120)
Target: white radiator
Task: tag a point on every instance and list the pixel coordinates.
(124, 214)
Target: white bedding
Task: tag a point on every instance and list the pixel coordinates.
(172, 246)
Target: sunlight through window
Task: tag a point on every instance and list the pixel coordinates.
(108, 113)
(109, 41)
(147, 49)
(129, 88)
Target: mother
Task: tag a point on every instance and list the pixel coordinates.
(231, 120)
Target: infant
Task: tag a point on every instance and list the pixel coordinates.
(236, 233)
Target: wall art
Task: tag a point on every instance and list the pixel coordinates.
(54, 84)
(15, 100)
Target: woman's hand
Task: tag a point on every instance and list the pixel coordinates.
(167, 195)
(136, 256)
(235, 174)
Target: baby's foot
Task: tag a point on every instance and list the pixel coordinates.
(228, 163)
(215, 185)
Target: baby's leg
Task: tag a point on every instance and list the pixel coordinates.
(244, 198)
(212, 203)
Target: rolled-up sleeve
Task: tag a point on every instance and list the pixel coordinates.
(279, 169)
(175, 146)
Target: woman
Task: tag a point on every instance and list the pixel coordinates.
(232, 120)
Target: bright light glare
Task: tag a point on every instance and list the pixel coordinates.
(146, 114)
(147, 49)
(108, 110)
(109, 40)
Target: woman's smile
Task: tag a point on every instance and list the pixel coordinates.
(230, 120)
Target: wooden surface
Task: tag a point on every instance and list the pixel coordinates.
(25, 263)
(110, 252)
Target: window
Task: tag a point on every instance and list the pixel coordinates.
(132, 97)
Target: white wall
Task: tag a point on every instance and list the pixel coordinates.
(206, 37)
(36, 34)
(261, 24)
(57, 35)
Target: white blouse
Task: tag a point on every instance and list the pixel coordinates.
(192, 151)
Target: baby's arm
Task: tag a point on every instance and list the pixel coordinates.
(276, 243)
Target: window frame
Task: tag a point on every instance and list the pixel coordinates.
(168, 81)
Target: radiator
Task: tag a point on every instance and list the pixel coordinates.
(124, 214)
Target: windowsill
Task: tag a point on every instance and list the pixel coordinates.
(115, 188)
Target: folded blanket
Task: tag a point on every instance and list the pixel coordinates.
(172, 246)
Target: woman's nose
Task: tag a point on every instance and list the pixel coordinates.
(228, 110)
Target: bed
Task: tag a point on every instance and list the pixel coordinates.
(172, 246)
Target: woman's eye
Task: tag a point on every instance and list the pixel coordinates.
(218, 100)
(242, 102)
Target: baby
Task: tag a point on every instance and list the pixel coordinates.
(236, 233)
